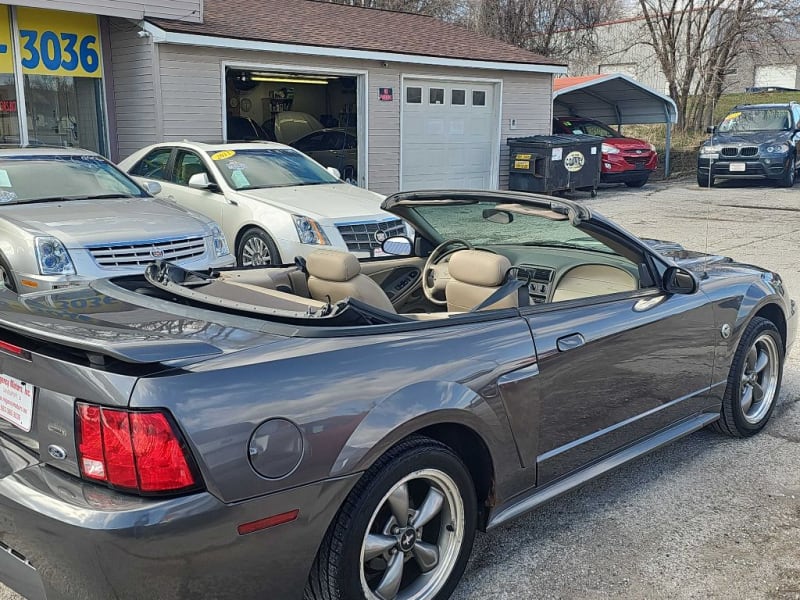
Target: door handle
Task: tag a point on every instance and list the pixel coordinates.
(570, 342)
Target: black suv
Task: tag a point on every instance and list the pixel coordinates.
(755, 141)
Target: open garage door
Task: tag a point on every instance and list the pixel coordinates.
(315, 112)
(449, 135)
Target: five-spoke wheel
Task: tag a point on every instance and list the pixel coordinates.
(257, 249)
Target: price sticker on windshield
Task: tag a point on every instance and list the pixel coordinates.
(63, 44)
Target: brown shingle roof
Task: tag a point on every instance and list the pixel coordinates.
(315, 23)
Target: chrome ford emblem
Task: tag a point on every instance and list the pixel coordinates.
(380, 236)
(156, 253)
(57, 452)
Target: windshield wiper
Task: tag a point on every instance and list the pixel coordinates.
(69, 198)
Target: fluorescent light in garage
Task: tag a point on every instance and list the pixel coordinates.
(290, 80)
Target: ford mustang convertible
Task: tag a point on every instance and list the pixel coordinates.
(337, 429)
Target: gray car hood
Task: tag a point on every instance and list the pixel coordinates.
(78, 223)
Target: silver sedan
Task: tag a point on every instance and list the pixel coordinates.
(69, 216)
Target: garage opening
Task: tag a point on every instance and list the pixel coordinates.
(449, 134)
(317, 113)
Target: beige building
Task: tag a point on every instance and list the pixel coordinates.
(423, 103)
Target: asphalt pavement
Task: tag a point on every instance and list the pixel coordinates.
(707, 517)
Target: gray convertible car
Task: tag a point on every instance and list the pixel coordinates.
(339, 429)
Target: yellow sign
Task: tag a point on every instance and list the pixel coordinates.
(522, 164)
(223, 154)
(54, 42)
(733, 115)
(523, 156)
(6, 49)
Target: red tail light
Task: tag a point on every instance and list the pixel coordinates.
(133, 451)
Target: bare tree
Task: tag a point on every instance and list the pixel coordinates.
(552, 28)
(698, 42)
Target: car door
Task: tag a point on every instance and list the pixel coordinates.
(206, 202)
(616, 368)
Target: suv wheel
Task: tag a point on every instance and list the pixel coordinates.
(704, 181)
(790, 174)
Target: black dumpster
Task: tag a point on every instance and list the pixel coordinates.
(555, 163)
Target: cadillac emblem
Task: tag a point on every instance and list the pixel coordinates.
(380, 236)
(157, 253)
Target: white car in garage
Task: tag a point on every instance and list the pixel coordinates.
(273, 202)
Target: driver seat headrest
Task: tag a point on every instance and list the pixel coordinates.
(334, 276)
(478, 267)
(332, 265)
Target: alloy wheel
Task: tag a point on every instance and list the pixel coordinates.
(256, 253)
(414, 538)
(759, 378)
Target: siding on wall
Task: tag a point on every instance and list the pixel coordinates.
(133, 71)
(192, 92)
(184, 10)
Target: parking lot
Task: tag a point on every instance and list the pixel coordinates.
(708, 517)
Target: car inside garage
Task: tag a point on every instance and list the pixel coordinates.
(317, 113)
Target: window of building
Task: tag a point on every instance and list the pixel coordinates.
(436, 96)
(478, 98)
(458, 97)
(414, 95)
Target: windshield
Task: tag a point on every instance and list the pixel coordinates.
(269, 168)
(586, 128)
(471, 223)
(756, 119)
(42, 178)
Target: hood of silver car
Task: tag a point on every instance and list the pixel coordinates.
(79, 223)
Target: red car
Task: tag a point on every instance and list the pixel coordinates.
(625, 160)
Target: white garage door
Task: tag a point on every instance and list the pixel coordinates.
(449, 135)
(776, 76)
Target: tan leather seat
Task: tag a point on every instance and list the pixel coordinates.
(337, 275)
(474, 276)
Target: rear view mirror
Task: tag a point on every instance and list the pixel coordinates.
(678, 280)
(498, 216)
(334, 171)
(398, 245)
(152, 187)
(711, 129)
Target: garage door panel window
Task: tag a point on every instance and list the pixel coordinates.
(458, 97)
(478, 98)
(436, 96)
(413, 95)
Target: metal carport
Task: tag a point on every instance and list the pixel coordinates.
(614, 99)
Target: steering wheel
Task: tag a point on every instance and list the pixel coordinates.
(435, 275)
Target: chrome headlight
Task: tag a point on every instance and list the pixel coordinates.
(706, 148)
(309, 231)
(220, 243)
(609, 149)
(53, 257)
(776, 148)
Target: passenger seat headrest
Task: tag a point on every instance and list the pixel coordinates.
(478, 267)
(332, 265)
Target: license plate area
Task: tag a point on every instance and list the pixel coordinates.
(16, 402)
(737, 167)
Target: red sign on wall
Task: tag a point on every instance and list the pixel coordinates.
(8, 106)
(385, 94)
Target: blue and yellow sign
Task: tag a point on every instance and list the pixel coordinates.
(6, 53)
(57, 43)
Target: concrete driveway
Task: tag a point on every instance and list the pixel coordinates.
(708, 517)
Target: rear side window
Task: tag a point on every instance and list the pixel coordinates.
(153, 165)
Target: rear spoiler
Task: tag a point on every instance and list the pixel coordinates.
(100, 340)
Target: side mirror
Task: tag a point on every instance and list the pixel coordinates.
(199, 181)
(152, 187)
(712, 129)
(398, 245)
(678, 280)
(334, 171)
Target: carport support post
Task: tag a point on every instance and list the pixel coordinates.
(668, 143)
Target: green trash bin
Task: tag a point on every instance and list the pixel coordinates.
(548, 164)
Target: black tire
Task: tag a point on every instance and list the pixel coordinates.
(637, 183)
(789, 176)
(733, 419)
(260, 238)
(7, 276)
(337, 570)
(703, 181)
